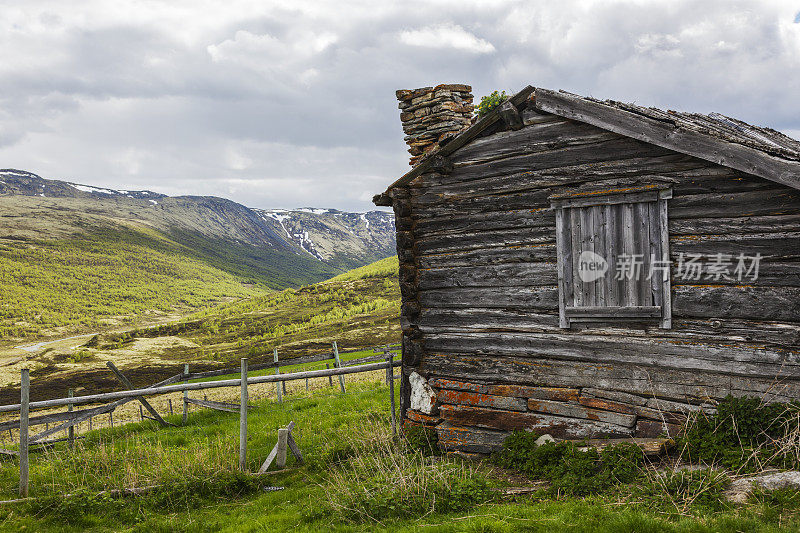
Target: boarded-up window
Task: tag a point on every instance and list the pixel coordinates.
(613, 256)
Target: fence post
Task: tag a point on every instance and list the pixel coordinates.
(186, 395)
(390, 377)
(170, 406)
(389, 371)
(278, 387)
(338, 364)
(24, 412)
(243, 419)
(330, 378)
(283, 441)
(71, 431)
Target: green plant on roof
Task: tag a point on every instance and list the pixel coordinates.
(489, 102)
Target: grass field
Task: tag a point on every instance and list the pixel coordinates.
(108, 275)
(356, 478)
(358, 309)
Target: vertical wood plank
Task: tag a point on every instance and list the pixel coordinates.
(283, 437)
(186, 396)
(587, 244)
(278, 384)
(656, 281)
(575, 238)
(599, 247)
(619, 231)
(338, 364)
(243, 399)
(330, 378)
(643, 244)
(610, 291)
(666, 307)
(629, 249)
(24, 413)
(563, 266)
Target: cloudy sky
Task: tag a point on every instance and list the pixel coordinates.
(286, 104)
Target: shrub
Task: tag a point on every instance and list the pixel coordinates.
(490, 102)
(568, 467)
(745, 434)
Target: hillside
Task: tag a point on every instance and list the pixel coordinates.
(358, 309)
(42, 208)
(75, 258)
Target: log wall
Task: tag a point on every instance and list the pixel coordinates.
(478, 276)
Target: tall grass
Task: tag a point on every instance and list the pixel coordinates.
(383, 478)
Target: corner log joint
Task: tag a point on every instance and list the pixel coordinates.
(510, 115)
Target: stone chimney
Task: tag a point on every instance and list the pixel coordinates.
(431, 116)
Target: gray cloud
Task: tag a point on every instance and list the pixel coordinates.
(278, 104)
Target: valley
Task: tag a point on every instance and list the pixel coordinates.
(78, 259)
(358, 309)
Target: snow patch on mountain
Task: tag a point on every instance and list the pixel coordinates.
(324, 233)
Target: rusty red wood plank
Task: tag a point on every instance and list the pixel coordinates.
(481, 400)
(607, 405)
(422, 418)
(517, 391)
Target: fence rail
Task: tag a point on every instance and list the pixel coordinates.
(203, 385)
(383, 361)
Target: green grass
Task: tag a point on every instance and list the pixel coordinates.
(112, 273)
(260, 265)
(359, 309)
(379, 269)
(355, 479)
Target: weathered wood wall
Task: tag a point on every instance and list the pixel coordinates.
(476, 242)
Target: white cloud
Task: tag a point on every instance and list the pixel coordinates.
(236, 160)
(277, 103)
(446, 36)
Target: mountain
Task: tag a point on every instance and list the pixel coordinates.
(338, 239)
(79, 258)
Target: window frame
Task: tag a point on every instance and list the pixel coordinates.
(568, 312)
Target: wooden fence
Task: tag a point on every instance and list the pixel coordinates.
(70, 418)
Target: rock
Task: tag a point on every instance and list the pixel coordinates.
(740, 489)
(423, 397)
(544, 439)
(460, 87)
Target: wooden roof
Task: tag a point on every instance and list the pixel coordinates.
(723, 140)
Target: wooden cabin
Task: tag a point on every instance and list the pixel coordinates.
(591, 269)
